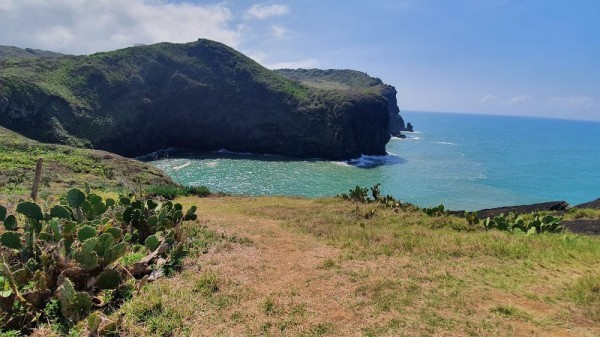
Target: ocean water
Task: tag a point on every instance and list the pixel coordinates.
(459, 160)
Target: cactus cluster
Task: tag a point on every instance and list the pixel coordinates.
(439, 210)
(361, 194)
(519, 224)
(472, 218)
(71, 253)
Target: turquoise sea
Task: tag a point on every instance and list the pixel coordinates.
(463, 161)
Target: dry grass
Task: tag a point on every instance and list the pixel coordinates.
(319, 268)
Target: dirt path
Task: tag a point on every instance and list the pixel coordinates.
(287, 267)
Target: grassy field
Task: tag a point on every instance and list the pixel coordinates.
(319, 267)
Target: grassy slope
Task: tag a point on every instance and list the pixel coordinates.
(65, 167)
(318, 267)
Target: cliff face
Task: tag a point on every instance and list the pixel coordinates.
(201, 95)
(350, 80)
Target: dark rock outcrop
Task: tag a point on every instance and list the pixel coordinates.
(519, 209)
(582, 226)
(523, 209)
(201, 95)
(396, 121)
(592, 204)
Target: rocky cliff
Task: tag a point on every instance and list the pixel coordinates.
(350, 80)
(201, 95)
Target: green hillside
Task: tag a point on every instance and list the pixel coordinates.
(201, 95)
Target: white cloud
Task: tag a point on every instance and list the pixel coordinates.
(491, 99)
(87, 26)
(263, 11)
(578, 102)
(304, 63)
(262, 58)
(279, 32)
(488, 99)
(519, 99)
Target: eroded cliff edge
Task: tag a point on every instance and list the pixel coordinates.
(201, 95)
(345, 79)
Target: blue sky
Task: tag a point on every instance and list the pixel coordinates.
(527, 57)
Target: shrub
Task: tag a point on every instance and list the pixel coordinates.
(170, 192)
(435, 211)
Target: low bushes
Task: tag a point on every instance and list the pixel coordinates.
(529, 224)
(170, 192)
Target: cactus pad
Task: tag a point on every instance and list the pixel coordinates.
(105, 243)
(73, 305)
(87, 260)
(61, 212)
(30, 210)
(11, 239)
(2, 213)
(152, 243)
(75, 197)
(10, 223)
(85, 233)
(108, 279)
(115, 232)
(110, 202)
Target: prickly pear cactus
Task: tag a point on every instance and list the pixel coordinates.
(73, 304)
